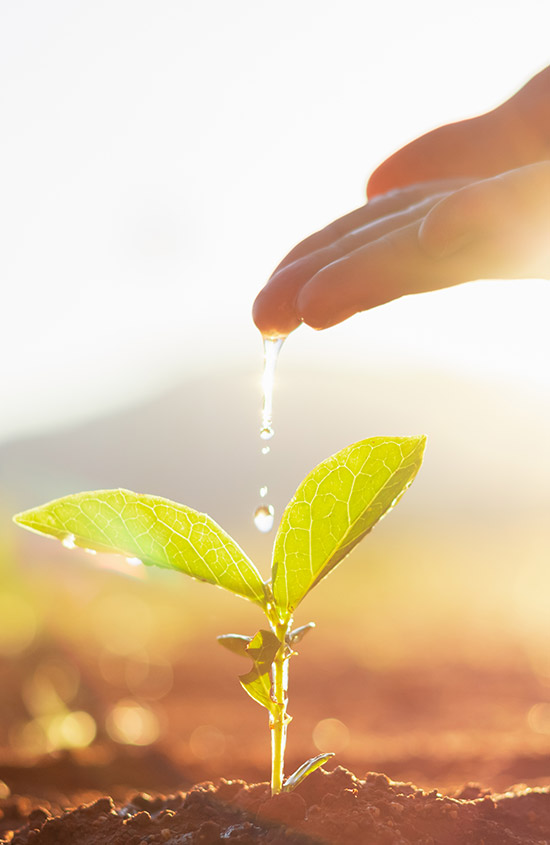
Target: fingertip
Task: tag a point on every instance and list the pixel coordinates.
(271, 316)
(382, 180)
(311, 306)
(327, 298)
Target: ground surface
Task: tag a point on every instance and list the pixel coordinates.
(473, 741)
(333, 807)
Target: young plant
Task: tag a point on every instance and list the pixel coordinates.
(333, 508)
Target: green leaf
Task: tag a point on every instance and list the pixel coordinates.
(236, 643)
(334, 507)
(257, 683)
(297, 635)
(302, 772)
(157, 531)
(263, 647)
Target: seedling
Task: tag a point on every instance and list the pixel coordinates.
(333, 508)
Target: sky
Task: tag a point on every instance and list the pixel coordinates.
(159, 158)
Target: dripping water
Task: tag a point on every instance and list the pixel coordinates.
(264, 513)
(272, 347)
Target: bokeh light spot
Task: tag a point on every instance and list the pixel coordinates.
(206, 741)
(71, 730)
(54, 683)
(132, 724)
(147, 678)
(29, 738)
(538, 717)
(330, 735)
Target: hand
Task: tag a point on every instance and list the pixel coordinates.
(441, 232)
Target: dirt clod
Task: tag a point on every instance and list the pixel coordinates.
(287, 808)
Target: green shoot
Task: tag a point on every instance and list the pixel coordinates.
(333, 508)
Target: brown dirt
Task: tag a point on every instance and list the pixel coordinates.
(439, 726)
(330, 807)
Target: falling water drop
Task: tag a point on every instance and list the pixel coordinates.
(69, 541)
(263, 492)
(263, 518)
(266, 450)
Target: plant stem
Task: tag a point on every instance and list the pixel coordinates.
(279, 719)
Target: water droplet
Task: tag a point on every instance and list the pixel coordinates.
(267, 433)
(69, 541)
(90, 551)
(263, 492)
(266, 450)
(263, 518)
(134, 561)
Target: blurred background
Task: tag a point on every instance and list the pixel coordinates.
(158, 161)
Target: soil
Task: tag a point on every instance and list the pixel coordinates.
(330, 807)
(462, 734)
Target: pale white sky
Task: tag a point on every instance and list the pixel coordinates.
(159, 158)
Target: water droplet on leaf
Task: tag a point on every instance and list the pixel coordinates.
(263, 518)
(69, 541)
(134, 561)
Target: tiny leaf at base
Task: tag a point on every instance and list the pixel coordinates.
(298, 634)
(236, 643)
(257, 683)
(262, 648)
(303, 771)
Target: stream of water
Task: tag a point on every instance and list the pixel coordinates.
(264, 514)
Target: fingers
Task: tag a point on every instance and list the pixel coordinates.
(470, 149)
(494, 229)
(274, 310)
(512, 135)
(378, 208)
(378, 272)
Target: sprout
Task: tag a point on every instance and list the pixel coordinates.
(334, 507)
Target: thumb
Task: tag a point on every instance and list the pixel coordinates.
(503, 221)
(464, 215)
